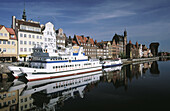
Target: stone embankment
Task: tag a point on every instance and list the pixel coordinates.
(129, 61)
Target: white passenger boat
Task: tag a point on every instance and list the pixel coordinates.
(111, 63)
(45, 65)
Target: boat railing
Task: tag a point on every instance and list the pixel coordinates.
(94, 60)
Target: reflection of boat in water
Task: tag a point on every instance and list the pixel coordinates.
(111, 69)
(45, 65)
(111, 63)
(49, 94)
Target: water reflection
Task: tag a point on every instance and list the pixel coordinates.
(46, 95)
(52, 94)
(124, 75)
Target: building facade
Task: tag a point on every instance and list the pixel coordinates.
(154, 48)
(106, 46)
(49, 36)
(119, 43)
(8, 44)
(29, 34)
(60, 39)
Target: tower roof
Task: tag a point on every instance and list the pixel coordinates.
(23, 15)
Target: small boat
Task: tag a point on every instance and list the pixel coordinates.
(44, 65)
(111, 63)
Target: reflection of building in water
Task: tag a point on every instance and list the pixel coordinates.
(146, 66)
(133, 71)
(154, 68)
(25, 102)
(117, 77)
(9, 100)
(164, 58)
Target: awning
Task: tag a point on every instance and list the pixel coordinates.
(23, 55)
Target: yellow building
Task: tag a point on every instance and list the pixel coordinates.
(8, 44)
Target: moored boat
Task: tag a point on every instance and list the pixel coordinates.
(111, 63)
(44, 65)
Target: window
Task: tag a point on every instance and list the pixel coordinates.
(9, 42)
(4, 42)
(45, 39)
(29, 49)
(9, 94)
(4, 49)
(25, 35)
(13, 43)
(25, 99)
(0, 41)
(47, 32)
(1, 34)
(33, 43)
(5, 34)
(21, 35)
(21, 100)
(0, 49)
(33, 36)
(12, 36)
(21, 49)
(21, 108)
(25, 42)
(29, 42)
(37, 37)
(25, 49)
(13, 50)
(21, 42)
(40, 37)
(9, 50)
(29, 36)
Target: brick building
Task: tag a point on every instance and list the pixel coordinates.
(88, 45)
(119, 43)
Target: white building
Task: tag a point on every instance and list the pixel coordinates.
(140, 51)
(49, 37)
(29, 34)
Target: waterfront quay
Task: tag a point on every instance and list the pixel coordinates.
(4, 70)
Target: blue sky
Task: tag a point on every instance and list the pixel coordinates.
(146, 21)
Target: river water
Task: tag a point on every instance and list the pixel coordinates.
(139, 86)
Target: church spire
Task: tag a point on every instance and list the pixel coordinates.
(23, 15)
(125, 33)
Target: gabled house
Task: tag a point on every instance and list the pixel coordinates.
(8, 44)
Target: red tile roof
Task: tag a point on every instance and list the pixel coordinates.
(1, 26)
(11, 32)
(84, 40)
(74, 42)
(91, 40)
